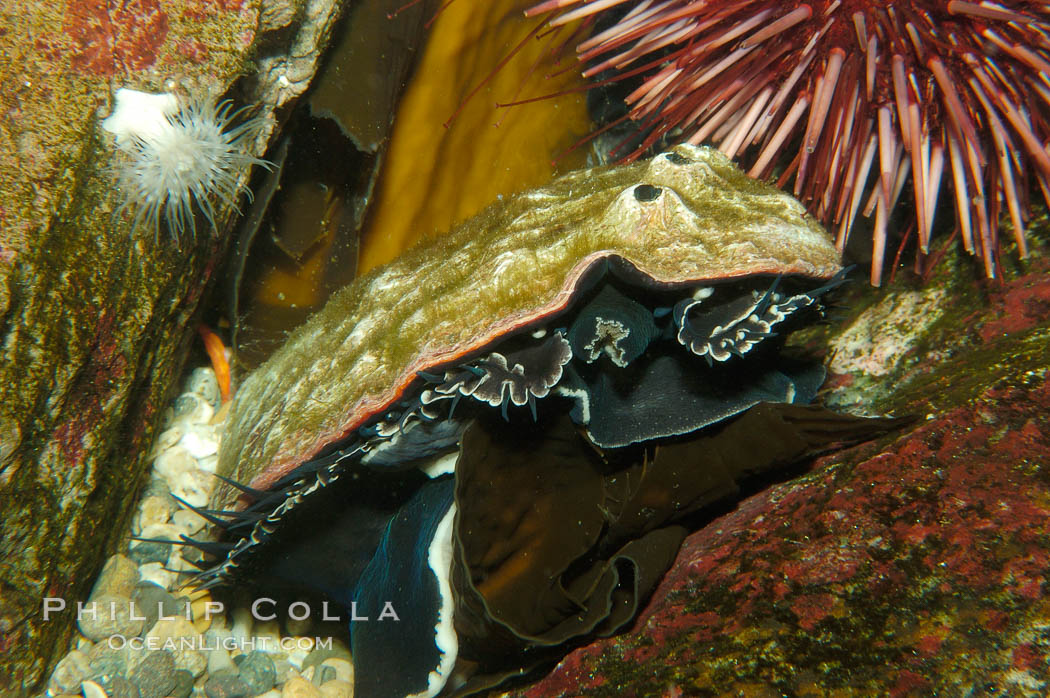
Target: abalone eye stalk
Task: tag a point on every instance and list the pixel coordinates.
(501, 430)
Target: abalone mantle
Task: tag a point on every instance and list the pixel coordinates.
(698, 219)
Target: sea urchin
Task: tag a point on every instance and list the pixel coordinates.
(851, 97)
(180, 152)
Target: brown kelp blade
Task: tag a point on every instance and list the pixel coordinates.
(557, 544)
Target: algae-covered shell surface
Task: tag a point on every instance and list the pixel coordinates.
(687, 216)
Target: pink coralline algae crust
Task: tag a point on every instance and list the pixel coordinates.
(105, 41)
(911, 566)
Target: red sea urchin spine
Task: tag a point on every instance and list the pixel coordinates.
(869, 94)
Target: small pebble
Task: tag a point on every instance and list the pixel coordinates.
(119, 687)
(155, 675)
(156, 487)
(108, 615)
(106, 662)
(300, 647)
(183, 684)
(219, 660)
(342, 668)
(208, 464)
(200, 442)
(193, 487)
(173, 463)
(118, 578)
(69, 672)
(187, 522)
(92, 690)
(226, 684)
(154, 572)
(154, 601)
(192, 409)
(337, 689)
(143, 552)
(185, 658)
(154, 510)
(321, 655)
(168, 438)
(298, 687)
(324, 674)
(257, 672)
(202, 383)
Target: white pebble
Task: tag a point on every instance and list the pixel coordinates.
(193, 488)
(187, 522)
(92, 690)
(198, 443)
(155, 572)
(167, 439)
(173, 463)
(161, 531)
(209, 464)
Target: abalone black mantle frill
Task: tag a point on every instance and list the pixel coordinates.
(504, 432)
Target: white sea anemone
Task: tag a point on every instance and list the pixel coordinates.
(179, 152)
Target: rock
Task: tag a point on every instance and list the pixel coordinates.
(187, 522)
(322, 655)
(154, 510)
(219, 661)
(343, 668)
(203, 384)
(145, 552)
(120, 687)
(154, 601)
(156, 487)
(168, 438)
(298, 649)
(226, 684)
(201, 441)
(258, 672)
(106, 662)
(155, 674)
(323, 674)
(186, 658)
(193, 487)
(192, 409)
(173, 463)
(155, 573)
(208, 464)
(92, 690)
(915, 565)
(118, 578)
(108, 615)
(298, 687)
(337, 689)
(70, 671)
(183, 687)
